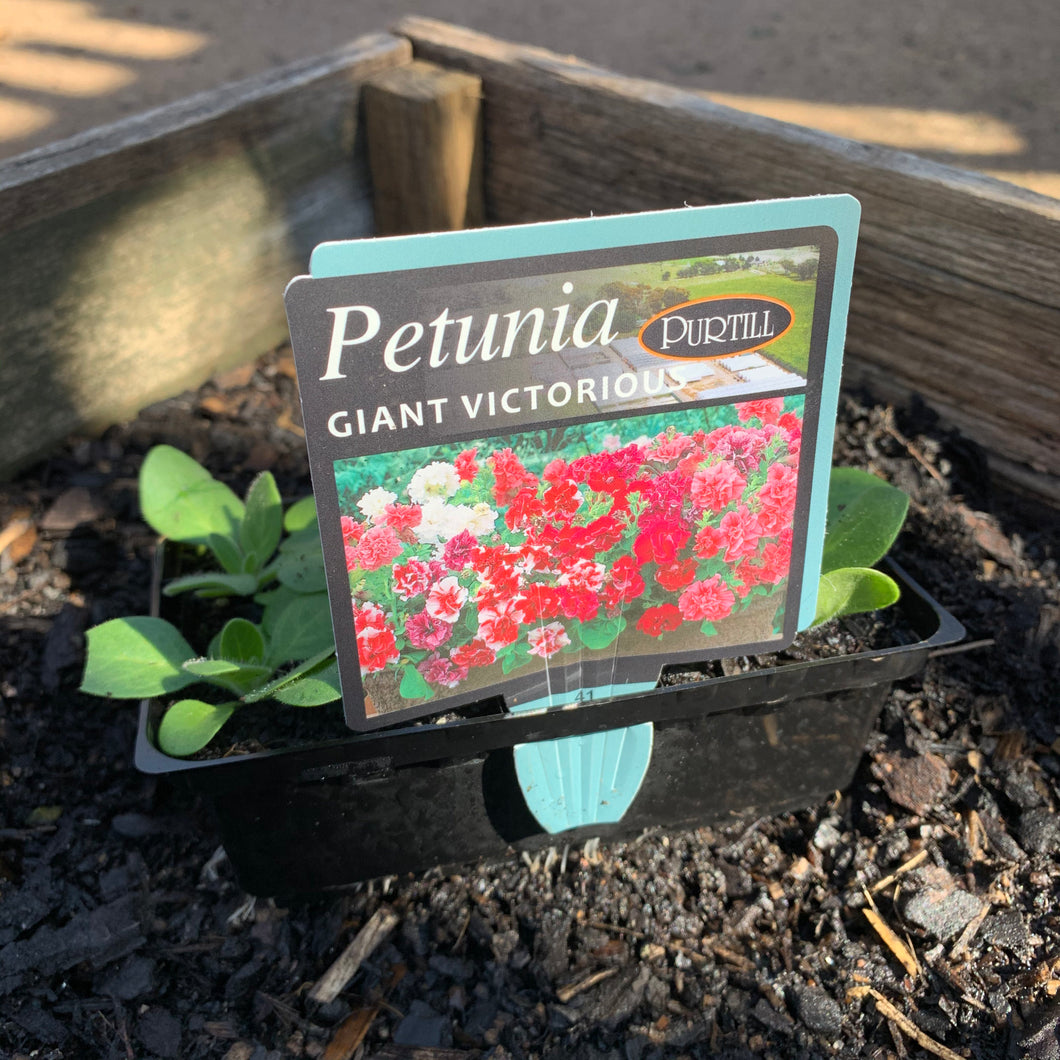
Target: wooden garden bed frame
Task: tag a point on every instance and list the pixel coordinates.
(140, 258)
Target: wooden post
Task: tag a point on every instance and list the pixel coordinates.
(424, 130)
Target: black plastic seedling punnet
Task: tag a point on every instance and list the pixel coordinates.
(412, 797)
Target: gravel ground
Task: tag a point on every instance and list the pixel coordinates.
(916, 914)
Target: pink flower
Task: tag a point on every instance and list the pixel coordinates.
(403, 516)
(709, 541)
(439, 671)
(545, 641)
(715, 487)
(740, 531)
(351, 529)
(708, 600)
(445, 600)
(425, 631)
(378, 546)
(458, 550)
(776, 499)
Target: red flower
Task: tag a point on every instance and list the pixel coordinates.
(658, 620)
(412, 579)
(708, 601)
(538, 603)
(582, 574)
(582, 604)
(716, 486)
(509, 476)
(523, 509)
(661, 537)
(626, 580)
(378, 546)
(376, 644)
(425, 631)
(403, 517)
(465, 465)
(677, 575)
(474, 654)
(497, 625)
(766, 410)
(445, 600)
(547, 640)
(562, 500)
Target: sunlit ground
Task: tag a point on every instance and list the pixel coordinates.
(57, 54)
(52, 51)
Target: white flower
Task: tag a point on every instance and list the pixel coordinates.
(611, 443)
(439, 522)
(373, 503)
(480, 523)
(437, 480)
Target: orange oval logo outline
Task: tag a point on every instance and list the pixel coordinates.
(716, 298)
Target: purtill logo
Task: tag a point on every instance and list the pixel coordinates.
(716, 327)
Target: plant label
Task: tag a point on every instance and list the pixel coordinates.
(549, 460)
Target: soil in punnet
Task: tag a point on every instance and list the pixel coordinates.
(124, 933)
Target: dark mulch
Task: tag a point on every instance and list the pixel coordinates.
(124, 934)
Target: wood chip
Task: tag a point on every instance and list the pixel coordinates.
(905, 955)
(565, 993)
(900, 1020)
(18, 538)
(912, 863)
(350, 1033)
(332, 982)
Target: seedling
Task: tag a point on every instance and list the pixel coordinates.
(274, 558)
(289, 655)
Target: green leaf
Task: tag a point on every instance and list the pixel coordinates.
(236, 677)
(602, 633)
(311, 666)
(181, 500)
(300, 564)
(299, 628)
(864, 517)
(226, 552)
(214, 584)
(312, 690)
(708, 629)
(851, 591)
(241, 640)
(413, 685)
(135, 657)
(301, 515)
(262, 525)
(189, 725)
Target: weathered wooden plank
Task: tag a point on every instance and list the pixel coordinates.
(955, 293)
(424, 132)
(137, 259)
